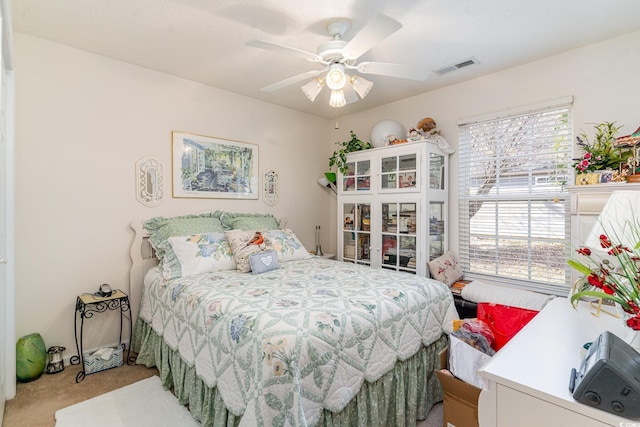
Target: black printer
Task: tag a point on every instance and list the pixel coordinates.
(609, 377)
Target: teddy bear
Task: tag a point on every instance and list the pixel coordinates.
(428, 126)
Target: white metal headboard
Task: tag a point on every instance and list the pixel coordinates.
(143, 259)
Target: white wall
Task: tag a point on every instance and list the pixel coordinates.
(603, 78)
(82, 123)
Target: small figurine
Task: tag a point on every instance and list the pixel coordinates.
(414, 135)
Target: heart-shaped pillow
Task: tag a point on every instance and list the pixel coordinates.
(263, 262)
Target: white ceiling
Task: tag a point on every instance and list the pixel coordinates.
(204, 40)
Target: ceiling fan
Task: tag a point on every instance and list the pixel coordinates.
(338, 56)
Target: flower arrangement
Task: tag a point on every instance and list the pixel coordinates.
(600, 153)
(614, 276)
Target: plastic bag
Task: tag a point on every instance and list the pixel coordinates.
(475, 340)
(504, 321)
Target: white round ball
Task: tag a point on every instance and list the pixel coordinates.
(385, 128)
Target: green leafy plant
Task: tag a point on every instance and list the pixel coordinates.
(599, 153)
(339, 157)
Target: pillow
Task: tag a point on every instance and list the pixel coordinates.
(244, 243)
(446, 268)
(287, 245)
(161, 228)
(244, 221)
(198, 253)
(263, 262)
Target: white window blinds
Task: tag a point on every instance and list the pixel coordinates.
(514, 223)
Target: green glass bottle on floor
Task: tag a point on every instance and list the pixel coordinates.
(31, 357)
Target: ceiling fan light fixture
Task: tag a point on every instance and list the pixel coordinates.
(361, 85)
(337, 99)
(313, 88)
(336, 78)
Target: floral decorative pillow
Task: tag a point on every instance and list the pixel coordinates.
(446, 268)
(198, 253)
(161, 228)
(244, 243)
(287, 245)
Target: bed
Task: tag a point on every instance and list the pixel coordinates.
(313, 342)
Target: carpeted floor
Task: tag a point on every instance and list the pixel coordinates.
(36, 402)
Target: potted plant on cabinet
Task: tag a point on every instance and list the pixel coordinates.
(600, 154)
(339, 157)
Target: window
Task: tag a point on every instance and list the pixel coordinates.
(513, 205)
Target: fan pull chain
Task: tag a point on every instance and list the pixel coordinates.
(337, 124)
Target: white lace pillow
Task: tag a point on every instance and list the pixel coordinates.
(446, 268)
(202, 253)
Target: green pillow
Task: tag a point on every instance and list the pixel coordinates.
(248, 222)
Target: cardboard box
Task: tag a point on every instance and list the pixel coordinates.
(460, 405)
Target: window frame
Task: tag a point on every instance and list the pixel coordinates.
(560, 173)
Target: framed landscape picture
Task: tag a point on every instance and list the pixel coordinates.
(209, 167)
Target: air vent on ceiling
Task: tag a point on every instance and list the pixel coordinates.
(454, 67)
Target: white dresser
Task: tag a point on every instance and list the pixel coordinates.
(528, 379)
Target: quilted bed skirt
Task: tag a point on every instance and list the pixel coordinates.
(399, 398)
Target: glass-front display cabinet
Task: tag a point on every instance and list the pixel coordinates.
(436, 230)
(399, 171)
(356, 241)
(399, 239)
(358, 176)
(436, 171)
(392, 207)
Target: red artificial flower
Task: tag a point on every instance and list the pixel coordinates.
(596, 281)
(633, 308)
(587, 155)
(617, 250)
(634, 323)
(609, 289)
(584, 251)
(604, 241)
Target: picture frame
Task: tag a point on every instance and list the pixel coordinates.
(210, 167)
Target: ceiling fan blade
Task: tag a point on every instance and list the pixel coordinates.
(350, 94)
(291, 80)
(412, 72)
(381, 27)
(263, 44)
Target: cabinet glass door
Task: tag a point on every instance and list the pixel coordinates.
(436, 230)
(357, 233)
(358, 176)
(436, 171)
(399, 236)
(398, 172)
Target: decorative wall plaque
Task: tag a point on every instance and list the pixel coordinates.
(149, 185)
(270, 193)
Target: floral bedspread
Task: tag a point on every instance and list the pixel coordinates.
(283, 345)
